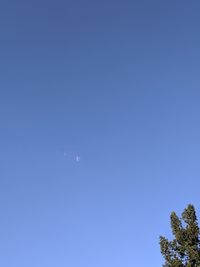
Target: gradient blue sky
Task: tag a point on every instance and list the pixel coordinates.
(116, 83)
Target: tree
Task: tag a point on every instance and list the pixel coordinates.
(184, 249)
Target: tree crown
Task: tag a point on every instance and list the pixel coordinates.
(184, 249)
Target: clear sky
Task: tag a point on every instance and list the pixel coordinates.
(99, 129)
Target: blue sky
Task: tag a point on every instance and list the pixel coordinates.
(99, 129)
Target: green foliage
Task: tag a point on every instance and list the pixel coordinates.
(184, 249)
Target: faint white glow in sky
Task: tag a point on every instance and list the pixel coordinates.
(72, 156)
(77, 158)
